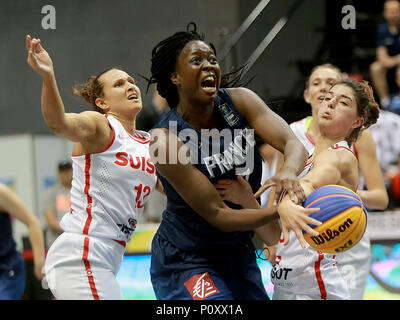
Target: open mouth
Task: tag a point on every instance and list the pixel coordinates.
(133, 96)
(209, 84)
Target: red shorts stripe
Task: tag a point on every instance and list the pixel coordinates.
(89, 270)
(88, 197)
(122, 243)
(321, 284)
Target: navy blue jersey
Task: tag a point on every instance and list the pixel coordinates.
(7, 243)
(222, 154)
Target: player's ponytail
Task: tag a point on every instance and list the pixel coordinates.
(91, 90)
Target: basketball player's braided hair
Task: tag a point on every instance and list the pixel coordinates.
(91, 90)
(367, 107)
(163, 61)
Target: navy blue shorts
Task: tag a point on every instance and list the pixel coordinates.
(180, 275)
(12, 278)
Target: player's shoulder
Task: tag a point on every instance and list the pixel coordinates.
(341, 155)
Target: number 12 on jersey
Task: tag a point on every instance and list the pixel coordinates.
(142, 193)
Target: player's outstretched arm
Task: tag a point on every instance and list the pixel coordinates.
(76, 127)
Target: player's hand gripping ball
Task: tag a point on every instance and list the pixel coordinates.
(343, 216)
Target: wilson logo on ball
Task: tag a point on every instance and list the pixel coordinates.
(329, 234)
(343, 218)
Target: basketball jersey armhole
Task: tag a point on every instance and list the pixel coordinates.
(336, 146)
(113, 138)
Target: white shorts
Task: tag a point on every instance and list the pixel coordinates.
(80, 267)
(285, 295)
(334, 291)
(354, 265)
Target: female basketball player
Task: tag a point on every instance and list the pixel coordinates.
(113, 176)
(300, 271)
(203, 248)
(354, 263)
(12, 264)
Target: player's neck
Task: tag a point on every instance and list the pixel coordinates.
(201, 117)
(128, 124)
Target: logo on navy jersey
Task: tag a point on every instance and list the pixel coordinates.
(228, 114)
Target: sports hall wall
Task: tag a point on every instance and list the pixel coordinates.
(91, 36)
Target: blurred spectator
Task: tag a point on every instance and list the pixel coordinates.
(387, 52)
(152, 113)
(56, 201)
(386, 133)
(12, 265)
(394, 104)
(394, 178)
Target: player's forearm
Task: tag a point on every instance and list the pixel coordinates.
(295, 156)
(229, 220)
(36, 240)
(374, 199)
(52, 106)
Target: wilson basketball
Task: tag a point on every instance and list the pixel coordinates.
(343, 218)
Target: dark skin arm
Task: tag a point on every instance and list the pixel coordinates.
(276, 132)
(199, 192)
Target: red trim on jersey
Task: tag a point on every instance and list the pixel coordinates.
(88, 197)
(336, 146)
(317, 268)
(113, 138)
(309, 138)
(283, 194)
(122, 243)
(136, 137)
(89, 272)
(355, 150)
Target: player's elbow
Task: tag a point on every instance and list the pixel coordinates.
(384, 201)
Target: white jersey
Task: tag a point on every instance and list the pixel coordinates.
(354, 263)
(307, 272)
(267, 172)
(109, 188)
(300, 129)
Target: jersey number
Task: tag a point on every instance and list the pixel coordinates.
(139, 197)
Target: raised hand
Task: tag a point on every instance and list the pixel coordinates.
(236, 191)
(284, 180)
(295, 217)
(38, 58)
